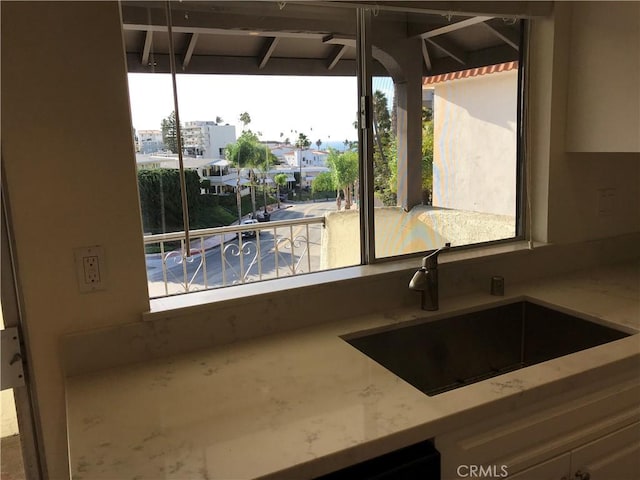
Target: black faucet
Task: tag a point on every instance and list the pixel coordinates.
(425, 280)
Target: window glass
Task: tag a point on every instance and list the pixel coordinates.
(267, 105)
(445, 131)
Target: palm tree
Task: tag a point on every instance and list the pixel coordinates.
(318, 143)
(245, 119)
(247, 152)
(344, 168)
(281, 181)
(302, 143)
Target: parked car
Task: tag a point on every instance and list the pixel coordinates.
(249, 233)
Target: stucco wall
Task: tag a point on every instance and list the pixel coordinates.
(474, 158)
(399, 232)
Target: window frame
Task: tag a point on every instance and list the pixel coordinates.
(364, 75)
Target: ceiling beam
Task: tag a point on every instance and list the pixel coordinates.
(336, 55)
(348, 40)
(218, 31)
(190, 48)
(269, 47)
(506, 34)
(449, 48)
(146, 49)
(249, 22)
(488, 56)
(506, 8)
(226, 65)
(418, 30)
(425, 55)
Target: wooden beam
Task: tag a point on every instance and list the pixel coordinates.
(249, 22)
(190, 48)
(506, 34)
(489, 56)
(452, 27)
(225, 65)
(347, 40)
(336, 55)
(449, 48)
(218, 31)
(146, 49)
(425, 55)
(269, 47)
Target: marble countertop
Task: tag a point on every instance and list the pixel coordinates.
(304, 402)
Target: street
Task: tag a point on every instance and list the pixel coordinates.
(273, 253)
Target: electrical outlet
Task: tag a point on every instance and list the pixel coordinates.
(90, 268)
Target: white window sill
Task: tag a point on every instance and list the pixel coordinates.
(197, 301)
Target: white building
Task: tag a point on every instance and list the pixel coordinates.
(150, 141)
(206, 138)
(475, 138)
(305, 158)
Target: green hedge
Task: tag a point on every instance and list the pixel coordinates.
(161, 202)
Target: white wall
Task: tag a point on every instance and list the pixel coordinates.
(564, 186)
(63, 72)
(474, 161)
(219, 137)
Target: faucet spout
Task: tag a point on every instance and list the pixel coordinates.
(425, 280)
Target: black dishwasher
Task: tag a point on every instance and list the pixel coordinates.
(415, 462)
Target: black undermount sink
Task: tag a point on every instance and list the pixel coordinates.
(452, 352)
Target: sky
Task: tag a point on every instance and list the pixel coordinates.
(324, 108)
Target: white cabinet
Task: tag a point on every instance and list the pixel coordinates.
(612, 457)
(589, 431)
(555, 469)
(603, 94)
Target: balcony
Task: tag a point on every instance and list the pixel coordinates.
(232, 255)
(325, 239)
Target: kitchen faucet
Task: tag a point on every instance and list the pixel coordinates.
(425, 280)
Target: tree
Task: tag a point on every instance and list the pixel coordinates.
(245, 119)
(281, 181)
(219, 120)
(302, 143)
(170, 132)
(427, 160)
(323, 183)
(318, 143)
(161, 199)
(249, 153)
(384, 152)
(344, 170)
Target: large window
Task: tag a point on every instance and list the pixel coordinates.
(257, 157)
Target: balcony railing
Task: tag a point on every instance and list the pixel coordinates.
(232, 255)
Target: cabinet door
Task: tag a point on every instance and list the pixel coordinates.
(558, 468)
(613, 457)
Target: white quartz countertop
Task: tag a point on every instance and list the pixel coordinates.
(305, 402)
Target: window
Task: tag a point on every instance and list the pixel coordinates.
(445, 127)
(271, 140)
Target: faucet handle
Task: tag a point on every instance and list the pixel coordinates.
(431, 260)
